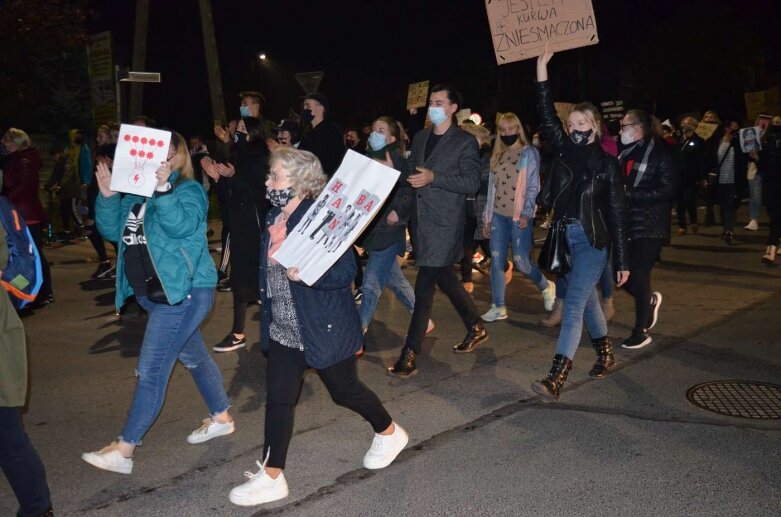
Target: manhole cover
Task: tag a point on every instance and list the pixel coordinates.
(745, 399)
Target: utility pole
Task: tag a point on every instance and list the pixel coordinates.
(139, 57)
(212, 62)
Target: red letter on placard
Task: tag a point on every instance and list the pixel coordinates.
(337, 186)
(361, 199)
(333, 224)
(369, 206)
(337, 203)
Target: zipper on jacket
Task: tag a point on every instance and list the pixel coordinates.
(187, 259)
(571, 177)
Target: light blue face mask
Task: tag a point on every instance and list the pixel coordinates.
(437, 115)
(376, 141)
(244, 111)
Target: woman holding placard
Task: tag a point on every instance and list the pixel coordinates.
(585, 193)
(163, 260)
(307, 327)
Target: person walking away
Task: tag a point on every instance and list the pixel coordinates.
(692, 175)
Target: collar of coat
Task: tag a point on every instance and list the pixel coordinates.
(445, 137)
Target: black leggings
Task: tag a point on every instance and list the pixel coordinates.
(239, 313)
(687, 203)
(445, 278)
(643, 254)
(284, 378)
(774, 211)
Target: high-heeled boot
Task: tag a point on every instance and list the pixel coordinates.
(605, 361)
(551, 385)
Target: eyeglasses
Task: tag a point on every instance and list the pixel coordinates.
(274, 178)
(622, 126)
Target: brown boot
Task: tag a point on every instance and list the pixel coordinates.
(554, 318)
(605, 361)
(551, 385)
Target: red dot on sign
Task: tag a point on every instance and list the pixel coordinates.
(127, 138)
(132, 152)
(150, 155)
(141, 154)
(135, 139)
(152, 141)
(144, 140)
(160, 143)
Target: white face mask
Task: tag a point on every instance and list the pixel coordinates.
(627, 137)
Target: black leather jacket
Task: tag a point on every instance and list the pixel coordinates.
(601, 192)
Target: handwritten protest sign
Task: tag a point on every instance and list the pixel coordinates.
(417, 95)
(705, 130)
(749, 139)
(336, 219)
(612, 110)
(521, 28)
(140, 151)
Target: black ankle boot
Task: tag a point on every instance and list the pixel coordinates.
(605, 361)
(476, 334)
(405, 366)
(551, 385)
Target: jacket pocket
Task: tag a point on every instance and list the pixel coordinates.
(187, 261)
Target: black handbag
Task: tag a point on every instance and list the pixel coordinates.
(154, 291)
(555, 256)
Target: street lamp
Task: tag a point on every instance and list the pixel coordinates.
(262, 56)
(123, 75)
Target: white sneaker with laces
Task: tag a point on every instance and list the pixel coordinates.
(260, 488)
(549, 296)
(210, 429)
(109, 458)
(384, 449)
(495, 313)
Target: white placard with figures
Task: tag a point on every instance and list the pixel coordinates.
(353, 196)
(140, 152)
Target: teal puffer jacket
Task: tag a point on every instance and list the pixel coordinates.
(175, 229)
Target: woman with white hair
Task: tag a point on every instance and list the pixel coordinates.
(304, 327)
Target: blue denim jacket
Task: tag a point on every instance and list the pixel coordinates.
(175, 229)
(328, 319)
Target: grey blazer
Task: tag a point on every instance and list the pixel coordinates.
(439, 209)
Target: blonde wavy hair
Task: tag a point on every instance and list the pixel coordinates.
(19, 137)
(182, 153)
(306, 173)
(499, 147)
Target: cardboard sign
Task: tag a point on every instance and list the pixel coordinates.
(140, 151)
(705, 130)
(749, 139)
(462, 115)
(563, 110)
(417, 95)
(337, 218)
(521, 28)
(766, 101)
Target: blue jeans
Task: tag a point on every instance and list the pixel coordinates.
(755, 199)
(504, 232)
(580, 301)
(22, 466)
(605, 283)
(173, 333)
(383, 269)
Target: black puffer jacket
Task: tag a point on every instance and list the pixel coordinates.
(601, 191)
(648, 202)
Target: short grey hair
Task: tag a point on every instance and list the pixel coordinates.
(306, 172)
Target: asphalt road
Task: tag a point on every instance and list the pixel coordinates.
(482, 443)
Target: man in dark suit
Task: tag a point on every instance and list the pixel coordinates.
(444, 167)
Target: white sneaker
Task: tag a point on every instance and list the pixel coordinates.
(495, 313)
(261, 488)
(752, 225)
(384, 449)
(109, 458)
(549, 296)
(210, 429)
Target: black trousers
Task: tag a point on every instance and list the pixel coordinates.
(284, 377)
(22, 466)
(46, 286)
(687, 204)
(643, 254)
(774, 211)
(239, 313)
(444, 277)
(728, 204)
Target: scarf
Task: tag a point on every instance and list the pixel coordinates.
(639, 168)
(277, 235)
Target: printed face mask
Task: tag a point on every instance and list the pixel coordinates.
(509, 140)
(280, 197)
(376, 141)
(580, 137)
(437, 115)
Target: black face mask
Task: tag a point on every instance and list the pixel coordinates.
(240, 138)
(307, 116)
(509, 140)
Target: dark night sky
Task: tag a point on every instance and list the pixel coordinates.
(684, 54)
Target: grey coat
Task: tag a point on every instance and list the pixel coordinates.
(437, 223)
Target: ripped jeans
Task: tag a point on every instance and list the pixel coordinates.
(172, 333)
(504, 232)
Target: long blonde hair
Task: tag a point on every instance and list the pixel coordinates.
(180, 144)
(499, 147)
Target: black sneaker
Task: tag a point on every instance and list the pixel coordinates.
(656, 302)
(230, 343)
(224, 286)
(104, 268)
(636, 341)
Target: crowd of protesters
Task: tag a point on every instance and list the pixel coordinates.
(460, 190)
